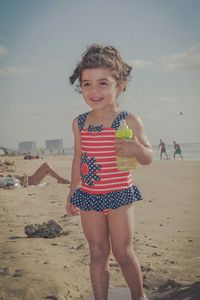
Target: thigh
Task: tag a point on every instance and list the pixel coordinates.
(121, 227)
(95, 227)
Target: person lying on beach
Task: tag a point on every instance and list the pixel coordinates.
(45, 169)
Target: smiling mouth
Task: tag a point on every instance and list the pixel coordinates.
(96, 99)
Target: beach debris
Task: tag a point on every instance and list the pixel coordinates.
(46, 230)
(9, 182)
(169, 284)
(177, 291)
(147, 268)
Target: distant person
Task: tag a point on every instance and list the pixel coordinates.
(162, 149)
(36, 178)
(177, 150)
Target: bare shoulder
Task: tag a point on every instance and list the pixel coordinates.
(75, 121)
(135, 123)
(75, 124)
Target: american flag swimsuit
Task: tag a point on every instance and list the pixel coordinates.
(103, 186)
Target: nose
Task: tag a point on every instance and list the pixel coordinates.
(94, 91)
(94, 88)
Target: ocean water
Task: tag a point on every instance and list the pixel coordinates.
(189, 151)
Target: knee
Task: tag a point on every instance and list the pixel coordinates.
(99, 253)
(124, 256)
(44, 164)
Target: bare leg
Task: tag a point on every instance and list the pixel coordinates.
(121, 225)
(95, 228)
(42, 171)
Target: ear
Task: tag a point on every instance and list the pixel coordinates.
(121, 87)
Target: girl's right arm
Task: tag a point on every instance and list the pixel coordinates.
(75, 173)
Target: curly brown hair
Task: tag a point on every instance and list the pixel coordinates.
(97, 56)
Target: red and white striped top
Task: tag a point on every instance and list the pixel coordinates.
(98, 164)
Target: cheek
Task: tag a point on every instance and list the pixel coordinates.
(86, 98)
(85, 95)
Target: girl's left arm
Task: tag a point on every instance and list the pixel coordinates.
(139, 145)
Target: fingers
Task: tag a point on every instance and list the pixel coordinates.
(126, 148)
(122, 146)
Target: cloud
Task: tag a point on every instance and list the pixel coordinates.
(15, 71)
(136, 63)
(184, 61)
(3, 51)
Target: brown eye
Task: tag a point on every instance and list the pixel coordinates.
(103, 83)
(85, 85)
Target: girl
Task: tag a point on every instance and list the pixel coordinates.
(106, 195)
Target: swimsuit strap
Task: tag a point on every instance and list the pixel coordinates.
(116, 123)
(81, 120)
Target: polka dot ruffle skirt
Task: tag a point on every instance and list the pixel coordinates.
(101, 202)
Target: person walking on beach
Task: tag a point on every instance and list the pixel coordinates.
(177, 150)
(162, 149)
(106, 195)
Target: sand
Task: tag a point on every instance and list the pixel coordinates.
(166, 238)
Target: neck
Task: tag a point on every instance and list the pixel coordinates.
(109, 110)
(104, 116)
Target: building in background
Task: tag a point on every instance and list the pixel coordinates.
(28, 147)
(54, 146)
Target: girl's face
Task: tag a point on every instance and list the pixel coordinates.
(100, 88)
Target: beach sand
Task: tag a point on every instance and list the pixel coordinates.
(166, 238)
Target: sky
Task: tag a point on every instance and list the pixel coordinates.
(42, 41)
